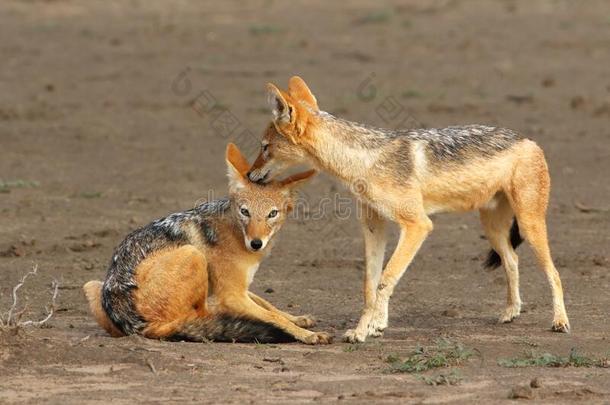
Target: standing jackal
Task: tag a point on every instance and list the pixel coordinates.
(158, 281)
(406, 175)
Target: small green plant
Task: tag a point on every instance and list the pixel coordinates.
(444, 354)
(7, 186)
(220, 106)
(534, 359)
(375, 17)
(411, 94)
(261, 346)
(90, 194)
(264, 29)
(351, 348)
(451, 378)
(525, 342)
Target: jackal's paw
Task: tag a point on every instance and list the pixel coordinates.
(318, 338)
(562, 326)
(510, 313)
(305, 321)
(354, 336)
(377, 326)
(372, 332)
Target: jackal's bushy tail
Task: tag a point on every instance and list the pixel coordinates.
(229, 328)
(93, 293)
(493, 258)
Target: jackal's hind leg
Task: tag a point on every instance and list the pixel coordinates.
(536, 234)
(172, 289)
(529, 199)
(497, 222)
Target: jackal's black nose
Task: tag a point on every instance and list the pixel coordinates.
(249, 174)
(256, 244)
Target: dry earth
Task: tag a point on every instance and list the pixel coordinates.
(98, 136)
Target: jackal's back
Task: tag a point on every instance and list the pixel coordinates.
(400, 152)
(446, 143)
(459, 142)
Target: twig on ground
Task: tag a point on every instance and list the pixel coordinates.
(585, 208)
(9, 316)
(150, 365)
(12, 318)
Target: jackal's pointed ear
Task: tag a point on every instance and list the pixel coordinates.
(299, 91)
(278, 102)
(237, 167)
(297, 179)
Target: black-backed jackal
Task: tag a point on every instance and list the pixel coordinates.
(159, 277)
(406, 175)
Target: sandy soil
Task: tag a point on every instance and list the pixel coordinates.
(98, 135)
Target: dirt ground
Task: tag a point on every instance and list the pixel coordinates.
(106, 123)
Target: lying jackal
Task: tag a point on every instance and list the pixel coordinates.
(406, 175)
(158, 281)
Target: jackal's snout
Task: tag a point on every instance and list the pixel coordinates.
(256, 244)
(258, 176)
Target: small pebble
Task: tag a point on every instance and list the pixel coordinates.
(535, 383)
(451, 312)
(521, 392)
(577, 102)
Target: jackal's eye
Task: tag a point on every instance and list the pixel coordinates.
(272, 214)
(244, 211)
(265, 147)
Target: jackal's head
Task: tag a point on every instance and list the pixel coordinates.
(259, 209)
(283, 143)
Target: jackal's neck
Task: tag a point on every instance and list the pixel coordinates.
(227, 219)
(347, 149)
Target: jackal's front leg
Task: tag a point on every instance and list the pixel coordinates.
(304, 321)
(408, 245)
(374, 231)
(247, 307)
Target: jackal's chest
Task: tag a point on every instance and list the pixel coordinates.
(384, 199)
(232, 272)
(250, 273)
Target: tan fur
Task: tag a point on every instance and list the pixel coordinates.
(237, 160)
(496, 224)
(295, 127)
(513, 181)
(299, 90)
(172, 289)
(93, 293)
(173, 284)
(304, 321)
(529, 196)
